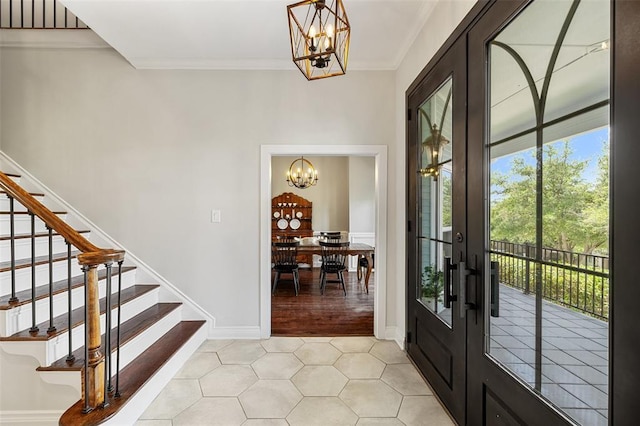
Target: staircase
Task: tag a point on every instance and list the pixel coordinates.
(47, 282)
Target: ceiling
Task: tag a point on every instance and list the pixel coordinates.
(243, 34)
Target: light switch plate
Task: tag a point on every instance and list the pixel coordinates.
(215, 216)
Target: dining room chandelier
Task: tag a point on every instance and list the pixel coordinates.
(319, 31)
(302, 174)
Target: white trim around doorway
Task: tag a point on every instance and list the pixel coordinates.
(379, 152)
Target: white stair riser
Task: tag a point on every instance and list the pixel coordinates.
(141, 342)
(19, 318)
(23, 247)
(46, 352)
(17, 207)
(59, 347)
(23, 275)
(128, 352)
(22, 224)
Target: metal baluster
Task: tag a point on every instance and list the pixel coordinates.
(12, 218)
(117, 393)
(107, 339)
(33, 13)
(602, 283)
(70, 357)
(51, 328)
(54, 13)
(86, 408)
(34, 328)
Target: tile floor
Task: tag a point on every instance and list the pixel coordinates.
(297, 381)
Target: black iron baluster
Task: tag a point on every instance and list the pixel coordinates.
(51, 328)
(86, 408)
(21, 13)
(34, 328)
(593, 285)
(12, 218)
(70, 357)
(602, 282)
(107, 338)
(11, 14)
(54, 13)
(33, 13)
(117, 393)
(43, 13)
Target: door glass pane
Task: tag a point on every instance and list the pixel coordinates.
(549, 204)
(435, 205)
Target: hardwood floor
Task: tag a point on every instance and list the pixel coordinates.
(313, 314)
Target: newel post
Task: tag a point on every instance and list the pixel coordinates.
(94, 367)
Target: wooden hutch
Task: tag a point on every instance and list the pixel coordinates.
(291, 217)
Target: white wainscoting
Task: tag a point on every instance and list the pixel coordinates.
(363, 238)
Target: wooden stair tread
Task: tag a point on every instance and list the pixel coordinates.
(61, 322)
(129, 329)
(37, 235)
(42, 291)
(135, 375)
(40, 260)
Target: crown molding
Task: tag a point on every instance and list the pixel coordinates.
(51, 39)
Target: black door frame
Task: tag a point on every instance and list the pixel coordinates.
(624, 328)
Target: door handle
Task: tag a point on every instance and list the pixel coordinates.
(463, 273)
(495, 289)
(448, 297)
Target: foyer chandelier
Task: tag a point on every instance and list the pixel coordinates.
(302, 174)
(319, 31)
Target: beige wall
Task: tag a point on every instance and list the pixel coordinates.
(146, 155)
(362, 194)
(330, 196)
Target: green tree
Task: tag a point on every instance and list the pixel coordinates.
(596, 214)
(574, 212)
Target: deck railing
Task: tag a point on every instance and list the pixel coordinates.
(576, 280)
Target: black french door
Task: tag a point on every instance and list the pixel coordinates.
(520, 142)
(436, 238)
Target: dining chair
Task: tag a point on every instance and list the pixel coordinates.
(283, 256)
(334, 259)
(331, 235)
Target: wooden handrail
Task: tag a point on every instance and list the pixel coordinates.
(91, 257)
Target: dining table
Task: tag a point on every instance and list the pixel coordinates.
(355, 249)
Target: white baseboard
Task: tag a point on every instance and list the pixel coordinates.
(248, 332)
(31, 417)
(394, 333)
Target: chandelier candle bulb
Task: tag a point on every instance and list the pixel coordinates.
(305, 176)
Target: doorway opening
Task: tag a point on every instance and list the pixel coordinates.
(378, 279)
